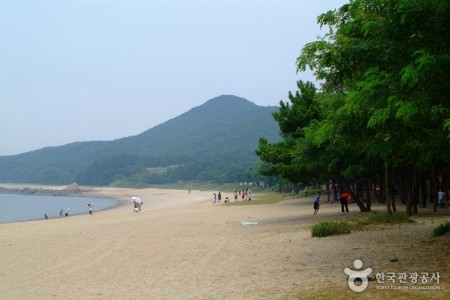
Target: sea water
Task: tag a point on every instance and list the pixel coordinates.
(16, 208)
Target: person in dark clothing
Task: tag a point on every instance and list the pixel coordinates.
(316, 204)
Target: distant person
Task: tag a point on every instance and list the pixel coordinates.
(344, 201)
(214, 198)
(441, 198)
(61, 212)
(90, 208)
(316, 204)
(243, 195)
(235, 196)
(137, 204)
(219, 197)
(305, 191)
(227, 200)
(249, 195)
(67, 212)
(45, 216)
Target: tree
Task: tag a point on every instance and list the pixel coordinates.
(384, 108)
(291, 157)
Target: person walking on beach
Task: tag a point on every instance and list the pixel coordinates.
(137, 204)
(67, 212)
(90, 208)
(61, 212)
(214, 198)
(317, 203)
(219, 197)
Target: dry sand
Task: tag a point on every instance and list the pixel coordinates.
(181, 246)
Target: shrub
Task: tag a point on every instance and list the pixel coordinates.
(327, 228)
(441, 229)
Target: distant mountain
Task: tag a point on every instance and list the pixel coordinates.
(223, 131)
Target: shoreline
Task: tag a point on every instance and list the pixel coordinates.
(107, 203)
(153, 198)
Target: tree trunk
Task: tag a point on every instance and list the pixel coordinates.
(434, 188)
(328, 192)
(386, 188)
(415, 199)
(382, 194)
(423, 194)
(346, 187)
(417, 181)
(394, 207)
(369, 199)
(409, 204)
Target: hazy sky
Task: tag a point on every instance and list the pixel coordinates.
(81, 70)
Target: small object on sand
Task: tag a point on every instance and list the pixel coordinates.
(245, 223)
(393, 258)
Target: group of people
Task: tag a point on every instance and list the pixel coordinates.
(245, 195)
(344, 199)
(63, 212)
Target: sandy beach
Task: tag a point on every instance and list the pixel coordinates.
(181, 246)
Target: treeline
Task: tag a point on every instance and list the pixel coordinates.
(381, 120)
(136, 170)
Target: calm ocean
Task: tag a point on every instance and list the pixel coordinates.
(16, 208)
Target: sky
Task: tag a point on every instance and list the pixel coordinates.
(85, 70)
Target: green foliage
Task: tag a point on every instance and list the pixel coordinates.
(328, 228)
(384, 72)
(293, 118)
(441, 229)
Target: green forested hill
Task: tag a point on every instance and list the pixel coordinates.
(222, 134)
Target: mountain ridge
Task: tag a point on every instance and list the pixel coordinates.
(224, 128)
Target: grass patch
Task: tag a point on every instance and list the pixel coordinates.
(386, 218)
(441, 229)
(327, 228)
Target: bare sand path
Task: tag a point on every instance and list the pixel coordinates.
(200, 251)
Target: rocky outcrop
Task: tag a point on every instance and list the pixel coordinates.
(70, 190)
